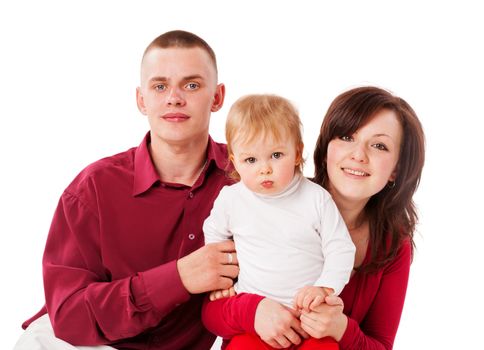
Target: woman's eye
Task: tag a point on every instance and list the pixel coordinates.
(249, 160)
(346, 138)
(277, 155)
(380, 146)
(192, 86)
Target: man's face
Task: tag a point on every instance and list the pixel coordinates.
(178, 92)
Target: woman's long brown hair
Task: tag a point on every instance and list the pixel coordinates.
(391, 213)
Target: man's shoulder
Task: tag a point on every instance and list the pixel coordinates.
(105, 170)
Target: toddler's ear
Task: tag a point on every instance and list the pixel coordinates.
(299, 154)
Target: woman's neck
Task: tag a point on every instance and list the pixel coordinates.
(352, 211)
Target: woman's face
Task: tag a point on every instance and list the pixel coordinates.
(361, 165)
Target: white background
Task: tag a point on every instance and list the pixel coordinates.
(68, 73)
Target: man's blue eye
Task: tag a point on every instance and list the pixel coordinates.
(192, 86)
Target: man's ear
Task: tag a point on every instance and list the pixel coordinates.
(218, 99)
(140, 102)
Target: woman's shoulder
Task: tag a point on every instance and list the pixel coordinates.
(403, 257)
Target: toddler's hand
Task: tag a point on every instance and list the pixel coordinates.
(309, 297)
(222, 293)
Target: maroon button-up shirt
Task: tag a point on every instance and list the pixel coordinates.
(109, 265)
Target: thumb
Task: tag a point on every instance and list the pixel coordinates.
(333, 300)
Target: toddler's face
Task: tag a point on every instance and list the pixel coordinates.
(266, 166)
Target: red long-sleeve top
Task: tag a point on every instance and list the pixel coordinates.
(109, 265)
(373, 303)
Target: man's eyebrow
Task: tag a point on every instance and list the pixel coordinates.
(188, 77)
(193, 77)
(155, 79)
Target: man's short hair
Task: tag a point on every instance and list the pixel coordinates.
(181, 39)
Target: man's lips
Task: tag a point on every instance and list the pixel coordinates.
(175, 117)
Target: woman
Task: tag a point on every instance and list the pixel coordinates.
(369, 156)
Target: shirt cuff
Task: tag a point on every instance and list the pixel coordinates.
(349, 335)
(164, 287)
(251, 309)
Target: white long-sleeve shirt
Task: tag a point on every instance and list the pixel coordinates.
(285, 241)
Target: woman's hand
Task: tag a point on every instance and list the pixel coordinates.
(278, 325)
(326, 320)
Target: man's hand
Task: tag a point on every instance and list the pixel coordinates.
(211, 267)
(278, 325)
(309, 297)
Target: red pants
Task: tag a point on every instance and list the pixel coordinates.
(253, 342)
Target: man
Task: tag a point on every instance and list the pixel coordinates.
(124, 264)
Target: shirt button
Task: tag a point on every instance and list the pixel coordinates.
(190, 194)
(191, 236)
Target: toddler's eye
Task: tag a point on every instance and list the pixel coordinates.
(277, 155)
(249, 160)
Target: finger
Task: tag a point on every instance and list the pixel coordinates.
(282, 341)
(235, 261)
(224, 283)
(273, 343)
(232, 292)
(318, 300)
(308, 330)
(307, 301)
(225, 246)
(298, 301)
(297, 327)
(218, 294)
(293, 337)
(230, 271)
(312, 326)
(212, 296)
(225, 293)
(333, 300)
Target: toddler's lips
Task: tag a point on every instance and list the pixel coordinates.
(267, 184)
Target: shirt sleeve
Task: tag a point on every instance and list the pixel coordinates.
(337, 247)
(216, 226)
(378, 329)
(79, 290)
(228, 317)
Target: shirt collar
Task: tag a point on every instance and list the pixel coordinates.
(145, 174)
